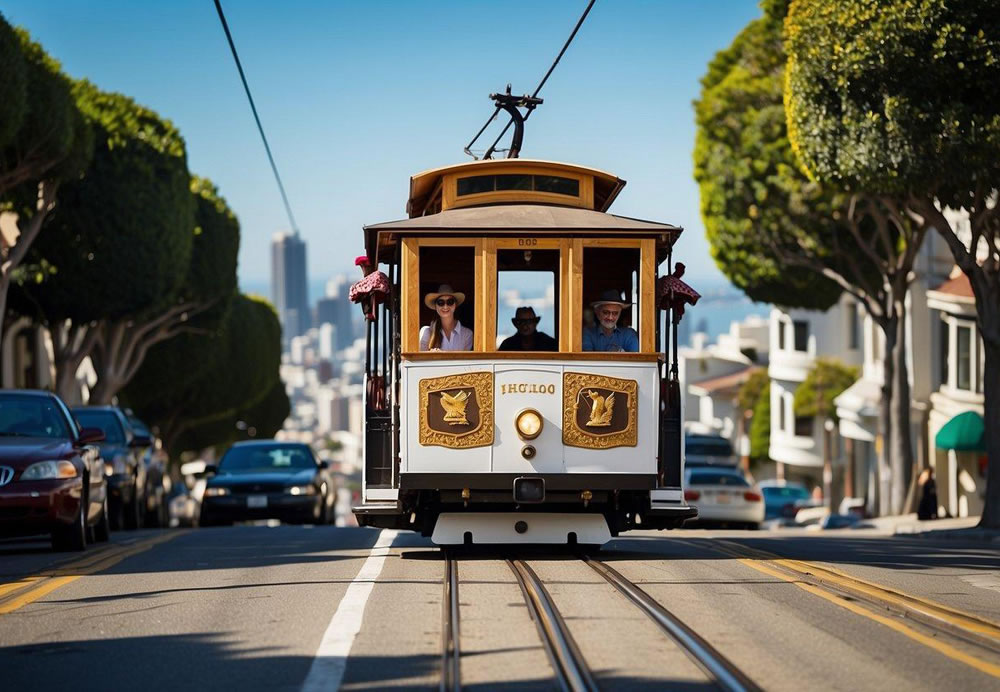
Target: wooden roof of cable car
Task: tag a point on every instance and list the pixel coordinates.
(515, 218)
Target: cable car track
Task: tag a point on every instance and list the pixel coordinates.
(451, 653)
(568, 664)
(716, 666)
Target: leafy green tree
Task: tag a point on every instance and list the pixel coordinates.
(199, 304)
(237, 368)
(115, 257)
(44, 140)
(760, 426)
(784, 238)
(899, 102)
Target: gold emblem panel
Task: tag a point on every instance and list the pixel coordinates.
(457, 411)
(599, 412)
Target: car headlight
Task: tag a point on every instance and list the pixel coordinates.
(47, 470)
(301, 490)
(528, 424)
(216, 492)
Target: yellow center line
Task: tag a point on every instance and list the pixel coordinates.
(66, 574)
(931, 642)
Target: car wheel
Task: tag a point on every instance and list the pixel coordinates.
(73, 537)
(102, 529)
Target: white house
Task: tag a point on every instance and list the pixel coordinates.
(958, 460)
(711, 376)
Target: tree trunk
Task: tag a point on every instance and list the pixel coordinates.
(991, 411)
(885, 418)
(901, 450)
(4, 285)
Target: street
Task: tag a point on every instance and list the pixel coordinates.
(277, 607)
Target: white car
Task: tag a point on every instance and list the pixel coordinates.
(723, 496)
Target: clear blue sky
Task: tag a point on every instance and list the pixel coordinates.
(357, 96)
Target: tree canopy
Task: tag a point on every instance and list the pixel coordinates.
(119, 242)
(827, 380)
(760, 425)
(13, 83)
(891, 97)
(753, 193)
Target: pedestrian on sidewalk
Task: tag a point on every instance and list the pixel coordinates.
(927, 509)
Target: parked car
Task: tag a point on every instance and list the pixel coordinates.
(267, 479)
(51, 474)
(158, 481)
(783, 499)
(708, 450)
(122, 451)
(723, 496)
(186, 494)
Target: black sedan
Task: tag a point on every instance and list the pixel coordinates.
(51, 475)
(125, 467)
(267, 479)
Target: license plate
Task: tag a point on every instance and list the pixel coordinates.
(256, 501)
(723, 499)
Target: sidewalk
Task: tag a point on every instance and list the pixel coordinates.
(936, 529)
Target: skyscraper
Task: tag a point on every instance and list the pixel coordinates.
(289, 284)
(335, 308)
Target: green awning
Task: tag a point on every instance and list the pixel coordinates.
(963, 433)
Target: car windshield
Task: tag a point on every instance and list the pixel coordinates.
(708, 478)
(708, 447)
(241, 459)
(106, 421)
(34, 416)
(785, 493)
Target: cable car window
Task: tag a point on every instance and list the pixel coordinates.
(610, 277)
(527, 300)
(513, 182)
(448, 289)
(557, 185)
(478, 184)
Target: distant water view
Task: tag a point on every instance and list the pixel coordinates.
(720, 305)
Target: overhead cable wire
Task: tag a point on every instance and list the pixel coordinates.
(260, 128)
(552, 67)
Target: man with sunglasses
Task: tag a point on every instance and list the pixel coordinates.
(528, 338)
(606, 335)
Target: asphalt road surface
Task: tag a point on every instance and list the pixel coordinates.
(319, 608)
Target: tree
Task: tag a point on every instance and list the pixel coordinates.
(760, 426)
(200, 304)
(239, 366)
(114, 256)
(899, 102)
(784, 238)
(756, 386)
(827, 380)
(44, 140)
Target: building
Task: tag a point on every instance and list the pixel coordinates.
(797, 339)
(956, 406)
(711, 376)
(335, 308)
(289, 282)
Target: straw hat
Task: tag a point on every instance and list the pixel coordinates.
(611, 297)
(443, 290)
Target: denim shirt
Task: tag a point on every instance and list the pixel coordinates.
(621, 339)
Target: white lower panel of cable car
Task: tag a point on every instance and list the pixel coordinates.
(520, 527)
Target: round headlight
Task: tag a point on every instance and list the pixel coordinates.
(528, 424)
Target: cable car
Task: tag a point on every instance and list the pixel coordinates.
(469, 436)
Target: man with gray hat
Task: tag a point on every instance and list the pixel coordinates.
(606, 335)
(528, 338)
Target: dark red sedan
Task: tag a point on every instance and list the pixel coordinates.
(51, 474)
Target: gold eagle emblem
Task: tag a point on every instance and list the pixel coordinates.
(454, 407)
(601, 410)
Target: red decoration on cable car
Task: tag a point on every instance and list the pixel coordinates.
(674, 293)
(371, 290)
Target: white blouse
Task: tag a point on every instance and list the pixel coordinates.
(460, 339)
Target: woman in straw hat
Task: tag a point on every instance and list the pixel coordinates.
(445, 333)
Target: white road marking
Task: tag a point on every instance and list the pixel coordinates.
(328, 666)
(984, 581)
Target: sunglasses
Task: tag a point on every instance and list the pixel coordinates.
(523, 321)
(445, 301)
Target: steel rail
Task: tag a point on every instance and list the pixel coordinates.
(722, 671)
(564, 654)
(451, 652)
